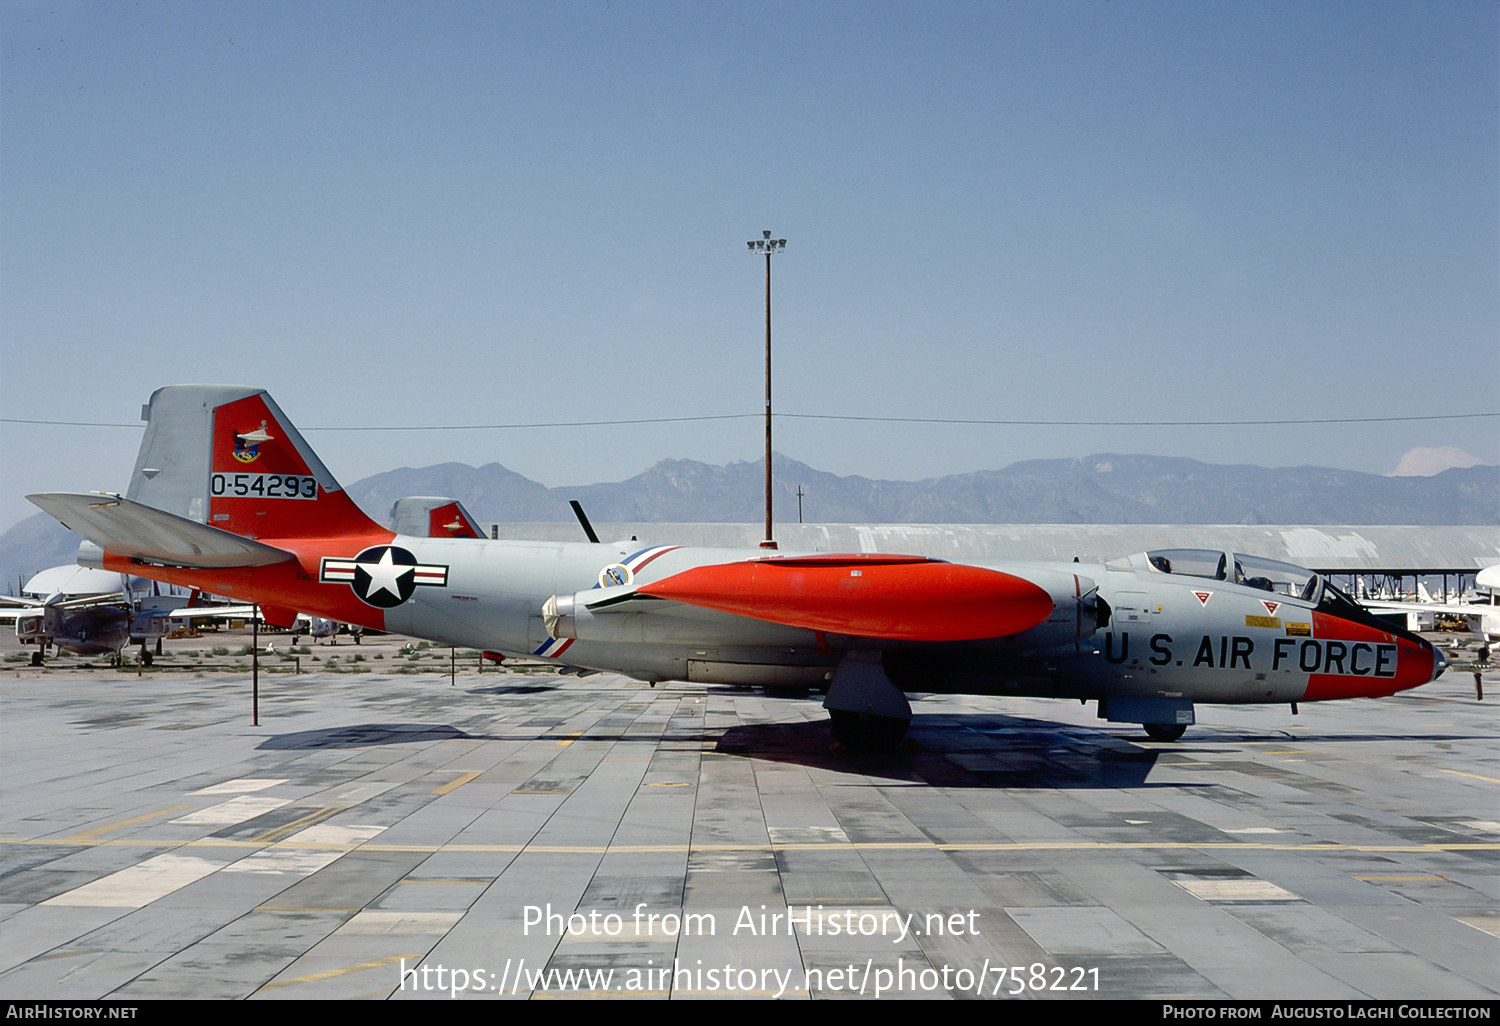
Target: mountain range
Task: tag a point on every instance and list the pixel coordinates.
(1101, 489)
(1105, 488)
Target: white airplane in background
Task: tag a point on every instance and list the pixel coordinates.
(1483, 617)
(89, 611)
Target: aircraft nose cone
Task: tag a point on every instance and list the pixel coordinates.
(1439, 664)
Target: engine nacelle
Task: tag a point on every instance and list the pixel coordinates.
(647, 621)
(1077, 612)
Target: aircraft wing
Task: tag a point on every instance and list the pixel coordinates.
(1444, 608)
(1483, 620)
(142, 532)
(213, 613)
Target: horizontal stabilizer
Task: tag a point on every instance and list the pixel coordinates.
(129, 529)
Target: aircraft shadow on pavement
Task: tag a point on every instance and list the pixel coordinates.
(972, 750)
(948, 751)
(365, 735)
(511, 689)
(371, 735)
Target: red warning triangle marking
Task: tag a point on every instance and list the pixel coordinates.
(1203, 597)
(1271, 607)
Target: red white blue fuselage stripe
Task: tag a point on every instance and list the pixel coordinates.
(553, 648)
(636, 562)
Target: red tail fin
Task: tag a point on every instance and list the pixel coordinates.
(227, 456)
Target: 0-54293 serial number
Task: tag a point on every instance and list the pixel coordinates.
(267, 486)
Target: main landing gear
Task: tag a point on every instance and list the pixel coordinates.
(1164, 731)
(866, 732)
(866, 712)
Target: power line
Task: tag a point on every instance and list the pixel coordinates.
(1139, 423)
(66, 423)
(829, 416)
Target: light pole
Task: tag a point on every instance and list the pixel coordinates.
(768, 246)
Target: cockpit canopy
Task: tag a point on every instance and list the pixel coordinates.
(1250, 571)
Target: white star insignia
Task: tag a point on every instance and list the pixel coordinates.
(385, 575)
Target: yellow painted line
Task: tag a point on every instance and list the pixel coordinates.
(286, 830)
(458, 782)
(448, 883)
(1476, 776)
(562, 741)
(331, 973)
(89, 835)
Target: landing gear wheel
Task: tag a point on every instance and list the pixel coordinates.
(145, 656)
(866, 732)
(36, 659)
(1164, 731)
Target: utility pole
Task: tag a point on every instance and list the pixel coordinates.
(768, 246)
(255, 665)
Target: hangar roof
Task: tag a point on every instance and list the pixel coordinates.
(1325, 548)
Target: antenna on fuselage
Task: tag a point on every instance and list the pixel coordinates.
(583, 519)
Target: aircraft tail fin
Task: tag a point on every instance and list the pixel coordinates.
(426, 516)
(226, 456)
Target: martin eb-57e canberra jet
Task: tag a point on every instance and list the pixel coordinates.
(227, 497)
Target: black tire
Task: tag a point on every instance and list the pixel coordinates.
(866, 732)
(1164, 731)
(787, 691)
(36, 659)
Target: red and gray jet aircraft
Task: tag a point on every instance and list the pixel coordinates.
(228, 497)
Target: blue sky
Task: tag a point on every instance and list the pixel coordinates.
(487, 213)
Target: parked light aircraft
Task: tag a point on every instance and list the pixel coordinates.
(228, 497)
(89, 612)
(1483, 618)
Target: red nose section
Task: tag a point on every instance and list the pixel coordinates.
(1358, 661)
(905, 598)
